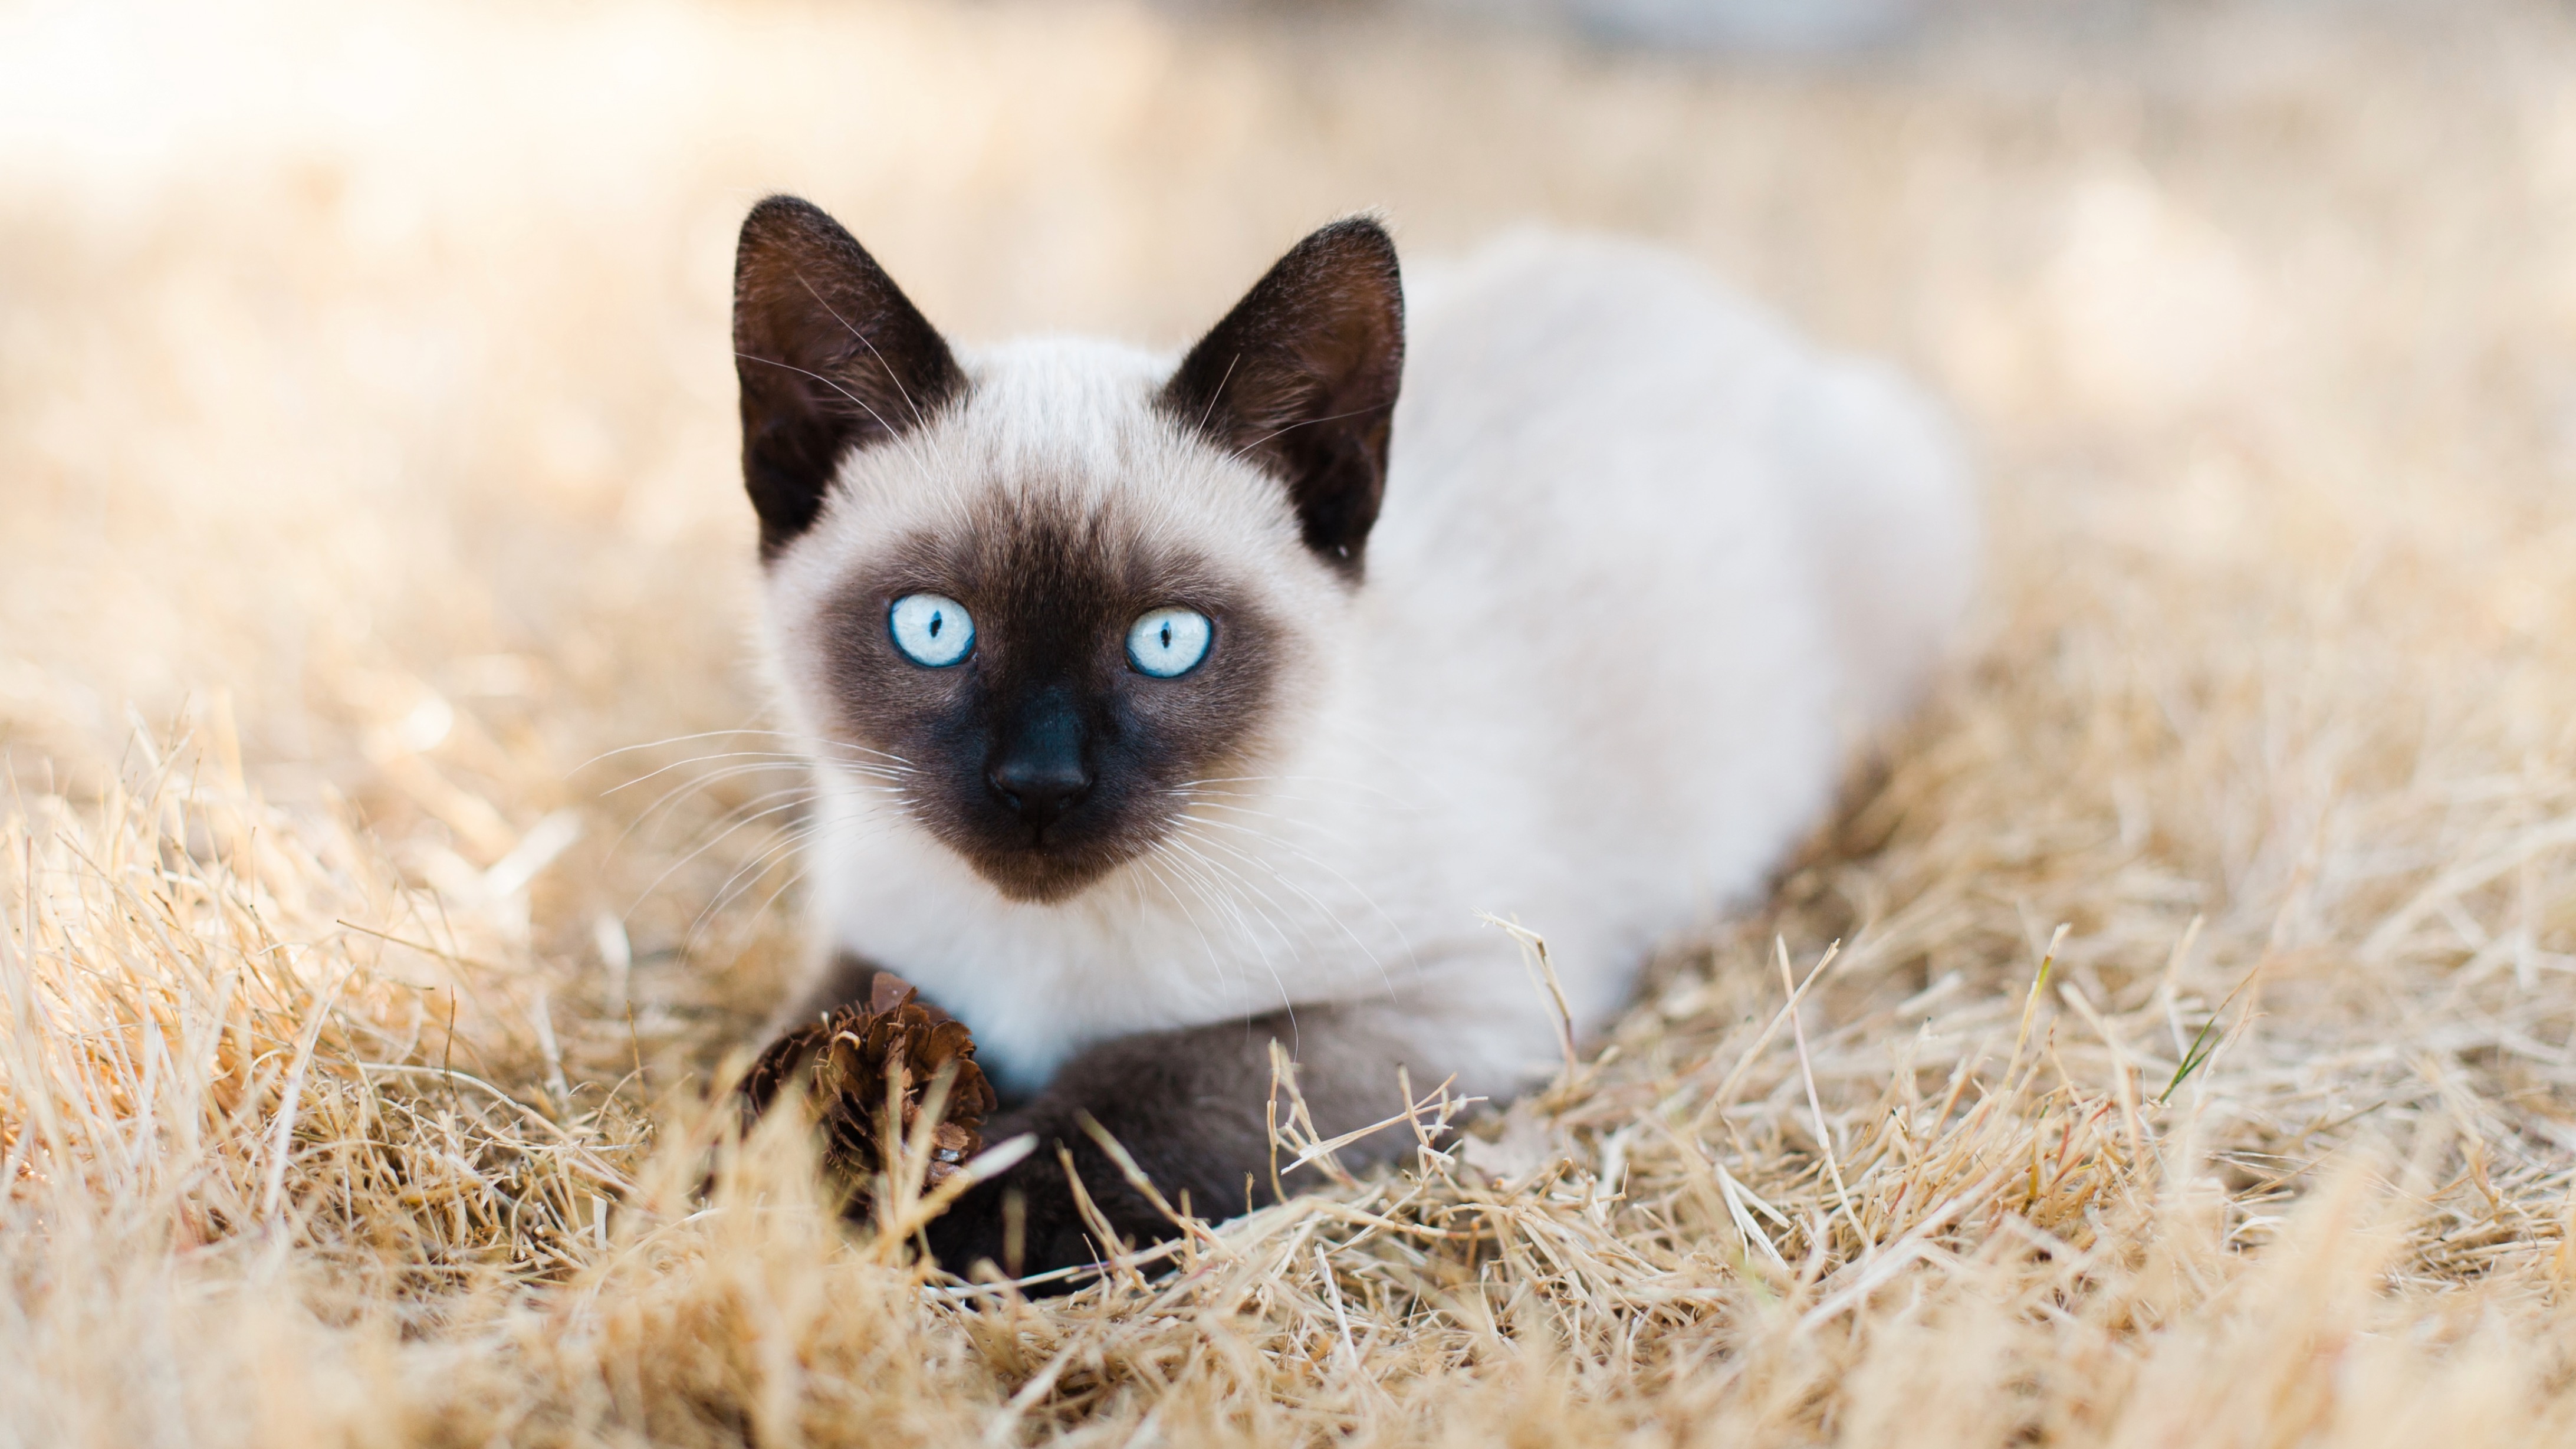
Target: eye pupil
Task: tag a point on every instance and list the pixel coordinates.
(935, 621)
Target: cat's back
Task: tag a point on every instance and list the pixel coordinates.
(1593, 426)
(1673, 550)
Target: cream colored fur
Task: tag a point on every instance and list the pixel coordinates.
(1648, 566)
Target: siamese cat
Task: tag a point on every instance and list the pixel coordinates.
(1163, 707)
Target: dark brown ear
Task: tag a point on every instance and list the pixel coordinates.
(831, 355)
(1302, 376)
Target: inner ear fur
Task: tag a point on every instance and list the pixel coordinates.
(831, 356)
(1302, 376)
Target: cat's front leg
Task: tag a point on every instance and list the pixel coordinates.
(1191, 1107)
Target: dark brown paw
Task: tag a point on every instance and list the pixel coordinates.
(1026, 1221)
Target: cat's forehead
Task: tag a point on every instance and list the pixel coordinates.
(1081, 388)
(1053, 439)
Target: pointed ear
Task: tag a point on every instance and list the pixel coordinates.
(1302, 375)
(831, 357)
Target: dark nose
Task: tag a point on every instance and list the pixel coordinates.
(1039, 774)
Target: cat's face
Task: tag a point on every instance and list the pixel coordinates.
(1037, 599)
(1042, 653)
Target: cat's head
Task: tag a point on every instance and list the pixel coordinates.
(1038, 596)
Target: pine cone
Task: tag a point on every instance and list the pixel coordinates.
(843, 1063)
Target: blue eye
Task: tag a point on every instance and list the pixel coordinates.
(1167, 642)
(931, 629)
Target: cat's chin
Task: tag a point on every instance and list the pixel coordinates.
(1046, 877)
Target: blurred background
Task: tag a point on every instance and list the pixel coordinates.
(366, 406)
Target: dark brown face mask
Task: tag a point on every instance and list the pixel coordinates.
(1043, 753)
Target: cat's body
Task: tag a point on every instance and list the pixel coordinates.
(1645, 566)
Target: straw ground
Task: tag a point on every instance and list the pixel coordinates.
(2170, 1040)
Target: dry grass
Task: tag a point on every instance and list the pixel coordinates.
(365, 477)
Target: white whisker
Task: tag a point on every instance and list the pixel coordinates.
(1412, 960)
(1213, 872)
(728, 833)
(1152, 865)
(806, 743)
(1330, 914)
